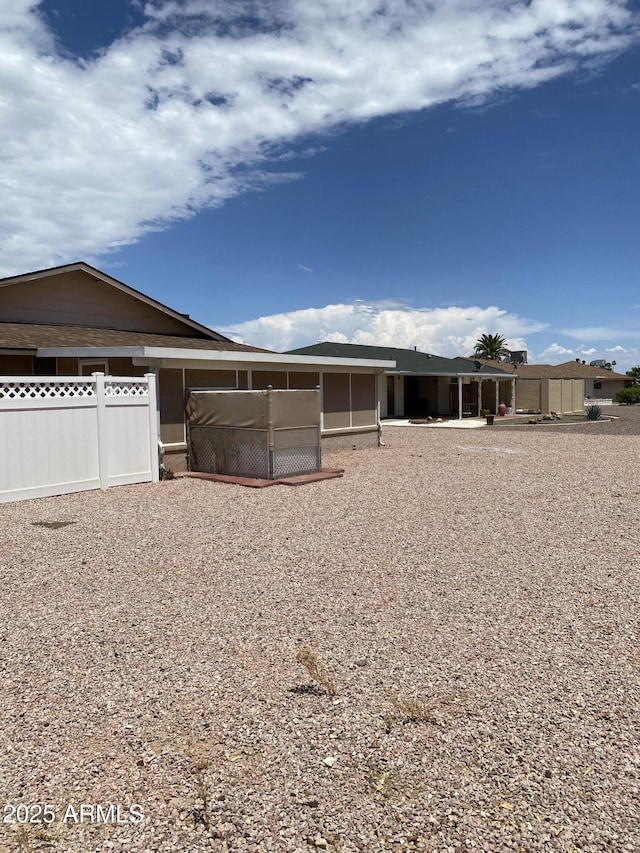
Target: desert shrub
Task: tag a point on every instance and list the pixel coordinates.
(629, 395)
(594, 413)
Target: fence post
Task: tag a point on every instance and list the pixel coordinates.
(101, 413)
(154, 437)
(270, 436)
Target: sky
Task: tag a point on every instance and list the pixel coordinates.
(394, 172)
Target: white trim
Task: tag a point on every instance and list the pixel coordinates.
(164, 356)
(85, 362)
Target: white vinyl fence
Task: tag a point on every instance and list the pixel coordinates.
(61, 434)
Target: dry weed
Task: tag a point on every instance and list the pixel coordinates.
(416, 710)
(317, 670)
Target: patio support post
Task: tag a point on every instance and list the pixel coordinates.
(497, 381)
(154, 435)
(513, 396)
(479, 396)
(459, 398)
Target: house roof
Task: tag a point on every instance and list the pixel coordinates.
(407, 360)
(29, 336)
(566, 370)
(198, 330)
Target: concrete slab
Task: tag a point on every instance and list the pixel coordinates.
(258, 483)
(465, 423)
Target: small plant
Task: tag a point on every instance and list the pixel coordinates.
(166, 473)
(31, 840)
(200, 763)
(436, 711)
(384, 782)
(317, 670)
(629, 396)
(594, 413)
(416, 710)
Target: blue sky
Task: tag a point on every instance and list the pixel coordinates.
(402, 173)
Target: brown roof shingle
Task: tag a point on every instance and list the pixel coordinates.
(566, 370)
(32, 336)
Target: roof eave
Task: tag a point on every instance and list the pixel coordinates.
(171, 356)
(82, 266)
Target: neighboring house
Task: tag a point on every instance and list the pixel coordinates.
(562, 387)
(599, 383)
(422, 384)
(75, 320)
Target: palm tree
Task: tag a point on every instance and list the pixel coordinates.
(491, 346)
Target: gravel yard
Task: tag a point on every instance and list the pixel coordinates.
(474, 594)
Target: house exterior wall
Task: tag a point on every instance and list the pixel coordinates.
(171, 404)
(336, 400)
(505, 394)
(444, 395)
(607, 390)
(383, 379)
(363, 399)
(303, 379)
(348, 403)
(16, 365)
(210, 379)
(349, 441)
(77, 299)
(429, 392)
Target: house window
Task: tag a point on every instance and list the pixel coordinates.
(597, 385)
(44, 366)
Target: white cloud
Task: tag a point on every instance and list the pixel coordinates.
(599, 333)
(555, 354)
(625, 357)
(190, 109)
(447, 331)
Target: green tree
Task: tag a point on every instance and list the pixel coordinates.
(491, 346)
(634, 372)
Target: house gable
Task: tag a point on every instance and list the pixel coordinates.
(79, 295)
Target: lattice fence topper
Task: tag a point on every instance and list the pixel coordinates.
(45, 390)
(126, 389)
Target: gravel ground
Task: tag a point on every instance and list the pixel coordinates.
(474, 594)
